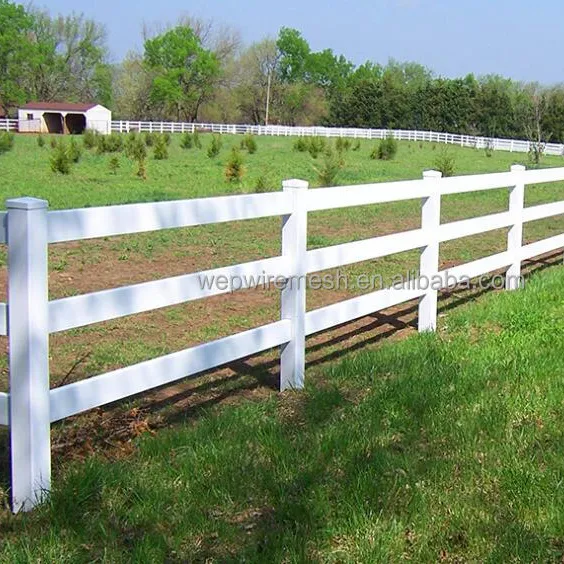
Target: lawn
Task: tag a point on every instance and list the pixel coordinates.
(439, 447)
(99, 264)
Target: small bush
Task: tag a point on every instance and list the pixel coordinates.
(215, 147)
(90, 138)
(197, 139)
(316, 145)
(386, 149)
(300, 145)
(342, 144)
(186, 141)
(489, 148)
(41, 141)
(131, 141)
(74, 151)
(167, 138)
(234, 170)
(330, 168)
(445, 163)
(53, 142)
(136, 148)
(536, 151)
(249, 144)
(60, 159)
(262, 184)
(114, 164)
(142, 168)
(112, 143)
(356, 146)
(161, 148)
(149, 138)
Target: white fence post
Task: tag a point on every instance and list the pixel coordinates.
(293, 299)
(515, 233)
(28, 332)
(429, 261)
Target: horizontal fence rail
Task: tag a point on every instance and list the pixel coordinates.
(29, 317)
(493, 143)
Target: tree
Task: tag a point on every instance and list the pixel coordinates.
(294, 52)
(70, 61)
(185, 72)
(17, 52)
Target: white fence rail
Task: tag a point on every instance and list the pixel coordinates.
(28, 228)
(496, 144)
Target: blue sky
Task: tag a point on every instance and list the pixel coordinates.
(522, 39)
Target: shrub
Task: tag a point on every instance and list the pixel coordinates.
(186, 141)
(74, 151)
(41, 141)
(130, 143)
(149, 138)
(386, 149)
(136, 148)
(215, 147)
(112, 143)
(90, 138)
(262, 184)
(342, 144)
(489, 148)
(114, 164)
(161, 149)
(248, 142)
(536, 151)
(60, 159)
(445, 163)
(6, 142)
(234, 170)
(316, 145)
(330, 168)
(167, 138)
(356, 146)
(53, 142)
(142, 168)
(197, 139)
(300, 145)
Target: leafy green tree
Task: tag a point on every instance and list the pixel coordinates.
(294, 52)
(17, 52)
(185, 72)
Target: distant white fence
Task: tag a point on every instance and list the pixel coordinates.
(496, 144)
(28, 228)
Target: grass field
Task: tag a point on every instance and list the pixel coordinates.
(442, 447)
(111, 432)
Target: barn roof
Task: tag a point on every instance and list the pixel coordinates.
(58, 106)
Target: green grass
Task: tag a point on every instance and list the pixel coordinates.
(443, 446)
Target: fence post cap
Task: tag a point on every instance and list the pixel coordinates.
(432, 174)
(518, 168)
(26, 203)
(295, 184)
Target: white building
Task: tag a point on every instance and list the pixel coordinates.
(63, 117)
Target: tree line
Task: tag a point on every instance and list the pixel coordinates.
(196, 70)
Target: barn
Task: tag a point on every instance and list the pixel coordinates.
(63, 117)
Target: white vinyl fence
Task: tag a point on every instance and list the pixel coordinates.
(496, 144)
(28, 227)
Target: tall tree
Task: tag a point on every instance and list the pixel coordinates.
(185, 72)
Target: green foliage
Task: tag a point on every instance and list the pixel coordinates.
(74, 151)
(445, 163)
(6, 141)
(53, 142)
(40, 141)
(142, 168)
(262, 184)
(536, 151)
(315, 146)
(90, 138)
(112, 143)
(114, 164)
(136, 148)
(185, 71)
(234, 170)
(343, 144)
(249, 143)
(149, 138)
(186, 141)
(300, 145)
(386, 150)
(60, 159)
(197, 139)
(356, 146)
(161, 148)
(214, 147)
(330, 167)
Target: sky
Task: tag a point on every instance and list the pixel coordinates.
(521, 39)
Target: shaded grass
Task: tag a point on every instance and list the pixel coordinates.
(443, 446)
